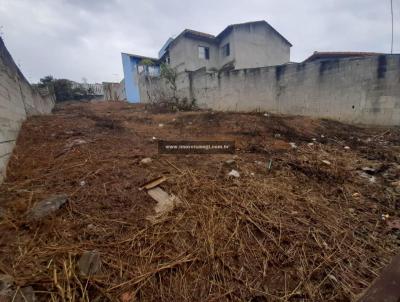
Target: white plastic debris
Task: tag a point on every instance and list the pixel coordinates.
(314, 139)
(310, 144)
(146, 160)
(160, 125)
(234, 173)
(230, 161)
(266, 114)
(252, 173)
(293, 145)
(346, 147)
(154, 138)
(322, 136)
(82, 183)
(385, 216)
(326, 162)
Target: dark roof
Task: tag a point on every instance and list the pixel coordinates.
(140, 57)
(229, 28)
(329, 55)
(212, 39)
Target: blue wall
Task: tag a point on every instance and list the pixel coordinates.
(129, 64)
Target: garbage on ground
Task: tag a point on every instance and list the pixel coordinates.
(384, 216)
(347, 148)
(368, 170)
(75, 142)
(310, 144)
(161, 125)
(153, 183)
(230, 161)
(293, 145)
(266, 114)
(47, 207)
(146, 160)
(269, 164)
(371, 178)
(326, 162)
(234, 173)
(165, 202)
(89, 263)
(82, 183)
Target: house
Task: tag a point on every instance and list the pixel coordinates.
(238, 46)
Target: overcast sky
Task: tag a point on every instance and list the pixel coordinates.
(78, 39)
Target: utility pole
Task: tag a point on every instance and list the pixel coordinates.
(391, 10)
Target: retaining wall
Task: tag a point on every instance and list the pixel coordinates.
(357, 90)
(17, 101)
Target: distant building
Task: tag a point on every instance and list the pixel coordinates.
(319, 56)
(238, 46)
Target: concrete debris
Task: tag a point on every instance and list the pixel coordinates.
(153, 183)
(75, 142)
(293, 145)
(89, 263)
(372, 179)
(6, 281)
(146, 160)
(234, 173)
(165, 202)
(368, 170)
(326, 162)
(47, 206)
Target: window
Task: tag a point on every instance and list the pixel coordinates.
(204, 52)
(226, 50)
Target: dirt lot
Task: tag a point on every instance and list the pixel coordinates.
(312, 217)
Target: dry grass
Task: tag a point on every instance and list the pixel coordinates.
(301, 231)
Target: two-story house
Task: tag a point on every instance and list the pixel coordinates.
(238, 46)
(246, 45)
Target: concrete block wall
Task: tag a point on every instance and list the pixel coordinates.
(356, 90)
(17, 101)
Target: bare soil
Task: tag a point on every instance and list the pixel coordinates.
(310, 228)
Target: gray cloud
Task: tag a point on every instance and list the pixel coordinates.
(82, 38)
